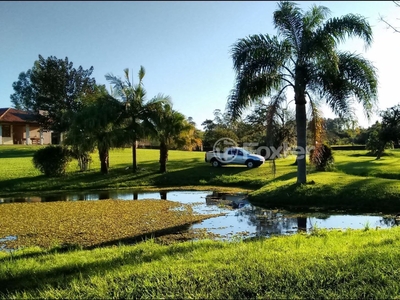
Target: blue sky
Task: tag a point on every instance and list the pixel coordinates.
(184, 46)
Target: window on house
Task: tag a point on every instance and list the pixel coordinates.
(6, 131)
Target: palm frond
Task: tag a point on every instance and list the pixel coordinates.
(350, 25)
(272, 110)
(288, 20)
(161, 98)
(316, 123)
(126, 73)
(315, 17)
(117, 83)
(356, 80)
(259, 63)
(141, 74)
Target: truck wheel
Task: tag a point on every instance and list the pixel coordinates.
(250, 164)
(215, 163)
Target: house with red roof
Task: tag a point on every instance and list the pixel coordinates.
(20, 127)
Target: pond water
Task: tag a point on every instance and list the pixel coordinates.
(241, 218)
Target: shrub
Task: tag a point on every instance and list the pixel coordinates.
(52, 160)
(322, 158)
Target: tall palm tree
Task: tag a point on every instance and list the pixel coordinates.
(134, 98)
(304, 56)
(167, 125)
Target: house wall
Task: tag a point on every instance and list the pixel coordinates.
(47, 138)
(6, 133)
(7, 141)
(34, 132)
(18, 135)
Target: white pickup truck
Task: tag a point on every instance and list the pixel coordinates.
(234, 155)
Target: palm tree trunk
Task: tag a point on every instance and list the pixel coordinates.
(163, 157)
(103, 161)
(134, 162)
(301, 124)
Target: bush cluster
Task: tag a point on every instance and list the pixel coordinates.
(52, 160)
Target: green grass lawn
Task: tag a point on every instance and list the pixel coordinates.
(323, 265)
(328, 265)
(358, 163)
(185, 169)
(359, 181)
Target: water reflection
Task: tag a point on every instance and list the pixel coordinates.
(241, 218)
(98, 195)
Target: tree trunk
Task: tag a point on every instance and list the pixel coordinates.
(380, 151)
(163, 157)
(301, 224)
(134, 162)
(301, 124)
(103, 161)
(83, 162)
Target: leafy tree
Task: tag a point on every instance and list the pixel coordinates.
(362, 137)
(134, 98)
(335, 131)
(98, 124)
(80, 145)
(50, 89)
(189, 139)
(219, 127)
(390, 129)
(167, 125)
(257, 122)
(374, 142)
(304, 56)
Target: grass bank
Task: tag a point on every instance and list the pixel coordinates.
(360, 182)
(331, 191)
(324, 265)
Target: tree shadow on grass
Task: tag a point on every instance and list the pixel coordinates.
(6, 152)
(366, 169)
(286, 176)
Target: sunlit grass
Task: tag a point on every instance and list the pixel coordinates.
(328, 190)
(358, 181)
(324, 265)
(184, 169)
(359, 163)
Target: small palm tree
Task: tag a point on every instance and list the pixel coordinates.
(98, 124)
(305, 58)
(166, 124)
